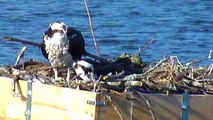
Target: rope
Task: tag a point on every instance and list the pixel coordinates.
(115, 108)
(148, 105)
(91, 27)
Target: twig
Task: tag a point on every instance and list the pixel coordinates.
(74, 77)
(34, 71)
(201, 60)
(158, 64)
(91, 27)
(96, 83)
(141, 50)
(178, 61)
(210, 69)
(20, 55)
(197, 61)
(14, 82)
(210, 54)
(8, 38)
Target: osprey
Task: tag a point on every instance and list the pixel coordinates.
(62, 45)
(84, 70)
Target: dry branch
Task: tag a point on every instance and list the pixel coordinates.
(8, 38)
(20, 55)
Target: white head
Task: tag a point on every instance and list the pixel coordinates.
(58, 26)
(84, 69)
(56, 33)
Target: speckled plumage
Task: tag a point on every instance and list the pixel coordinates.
(84, 69)
(72, 41)
(57, 45)
(62, 45)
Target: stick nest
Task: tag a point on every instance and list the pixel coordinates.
(124, 73)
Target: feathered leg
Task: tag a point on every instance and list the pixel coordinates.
(55, 70)
(68, 75)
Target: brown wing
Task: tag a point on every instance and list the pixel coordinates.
(43, 51)
(76, 43)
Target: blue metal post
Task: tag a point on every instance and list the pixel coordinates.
(185, 106)
(29, 99)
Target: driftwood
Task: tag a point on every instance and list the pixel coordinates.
(28, 42)
(20, 55)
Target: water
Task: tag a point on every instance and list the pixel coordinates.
(180, 28)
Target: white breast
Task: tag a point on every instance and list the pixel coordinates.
(57, 49)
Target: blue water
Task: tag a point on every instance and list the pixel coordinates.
(182, 28)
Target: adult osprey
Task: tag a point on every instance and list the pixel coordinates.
(62, 45)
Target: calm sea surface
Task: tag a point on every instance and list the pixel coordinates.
(182, 28)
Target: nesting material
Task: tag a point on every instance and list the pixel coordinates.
(128, 73)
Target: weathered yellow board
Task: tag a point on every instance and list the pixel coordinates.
(57, 103)
(48, 102)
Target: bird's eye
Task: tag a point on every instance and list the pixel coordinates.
(61, 31)
(49, 29)
(64, 27)
(51, 23)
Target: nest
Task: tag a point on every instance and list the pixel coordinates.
(124, 73)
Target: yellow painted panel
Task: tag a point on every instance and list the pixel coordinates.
(48, 102)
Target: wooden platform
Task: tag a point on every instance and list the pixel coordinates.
(57, 103)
